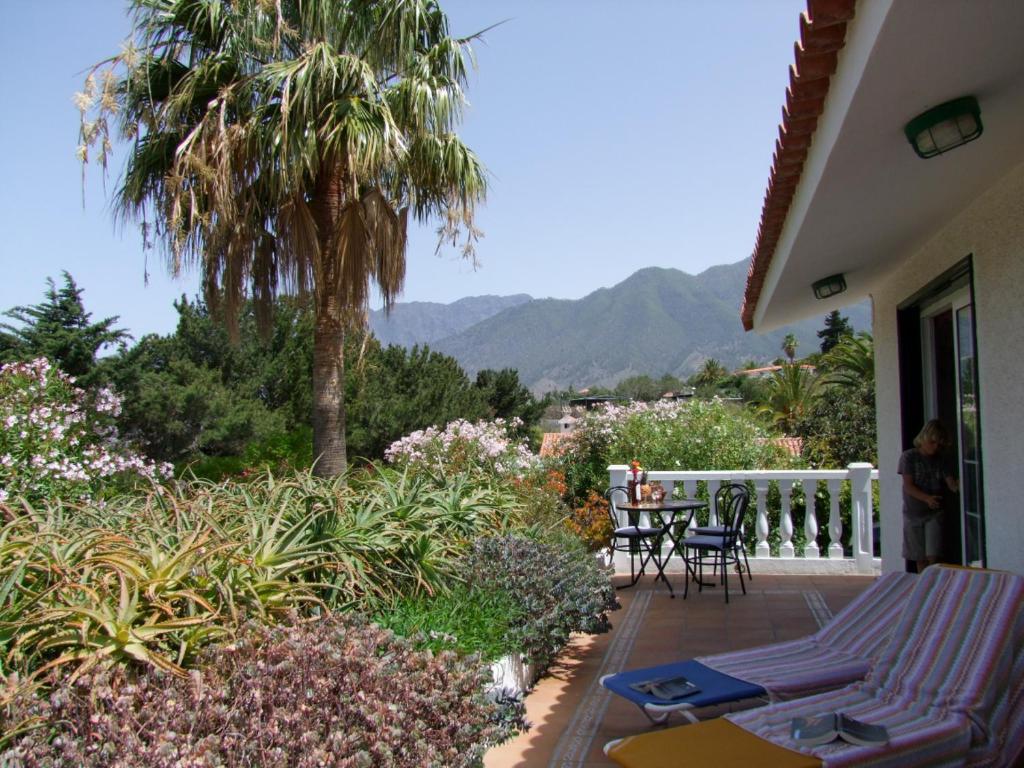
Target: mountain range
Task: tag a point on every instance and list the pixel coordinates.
(424, 322)
(654, 322)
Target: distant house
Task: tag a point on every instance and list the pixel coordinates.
(592, 401)
(682, 394)
(567, 423)
(933, 232)
(767, 370)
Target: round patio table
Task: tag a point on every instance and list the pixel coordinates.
(667, 510)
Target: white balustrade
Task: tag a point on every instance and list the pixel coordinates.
(811, 559)
(835, 522)
(786, 519)
(810, 489)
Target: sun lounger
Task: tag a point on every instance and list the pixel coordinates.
(839, 653)
(947, 687)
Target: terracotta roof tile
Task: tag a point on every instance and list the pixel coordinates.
(825, 13)
(822, 36)
(793, 445)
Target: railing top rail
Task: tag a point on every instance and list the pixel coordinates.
(746, 474)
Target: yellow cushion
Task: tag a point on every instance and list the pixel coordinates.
(716, 743)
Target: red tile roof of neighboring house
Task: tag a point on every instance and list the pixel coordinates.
(822, 36)
(550, 443)
(793, 445)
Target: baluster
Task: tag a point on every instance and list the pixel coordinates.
(835, 522)
(860, 512)
(761, 489)
(786, 518)
(811, 519)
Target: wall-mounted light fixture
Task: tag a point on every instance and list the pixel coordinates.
(945, 127)
(829, 286)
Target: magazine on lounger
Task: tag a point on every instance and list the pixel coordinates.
(667, 688)
(827, 727)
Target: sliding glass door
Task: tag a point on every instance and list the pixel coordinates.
(970, 439)
(950, 384)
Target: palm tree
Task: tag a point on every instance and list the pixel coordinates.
(789, 393)
(712, 373)
(789, 345)
(851, 362)
(284, 145)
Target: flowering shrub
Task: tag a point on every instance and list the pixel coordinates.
(462, 446)
(557, 589)
(56, 440)
(665, 435)
(541, 497)
(334, 692)
(592, 522)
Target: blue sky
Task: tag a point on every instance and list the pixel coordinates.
(618, 136)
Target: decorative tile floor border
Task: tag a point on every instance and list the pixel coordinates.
(577, 739)
(573, 747)
(818, 607)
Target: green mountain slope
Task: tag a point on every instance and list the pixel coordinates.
(423, 322)
(656, 321)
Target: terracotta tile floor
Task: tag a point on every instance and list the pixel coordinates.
(573, 717)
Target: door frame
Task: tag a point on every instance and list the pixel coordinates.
(951, 291)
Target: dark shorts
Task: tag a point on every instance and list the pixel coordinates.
(922, 537)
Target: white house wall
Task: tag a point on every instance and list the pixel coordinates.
(992, 230)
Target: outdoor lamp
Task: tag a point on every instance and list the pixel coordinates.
(945, 127)
(829, 286)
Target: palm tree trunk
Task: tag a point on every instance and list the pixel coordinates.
(329, 445)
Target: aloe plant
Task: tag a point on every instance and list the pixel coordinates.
(154, 577)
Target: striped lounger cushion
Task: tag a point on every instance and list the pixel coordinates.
(940, 685)
(841, 652)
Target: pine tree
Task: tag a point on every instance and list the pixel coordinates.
(836, 327)
(58, 328)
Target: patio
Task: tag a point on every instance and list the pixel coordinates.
(573, 716)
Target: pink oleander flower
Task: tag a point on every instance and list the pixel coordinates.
(485, 445)
(60, 442)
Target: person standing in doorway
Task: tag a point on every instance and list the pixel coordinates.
(927, 473)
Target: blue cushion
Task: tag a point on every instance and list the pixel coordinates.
(704, 542)
(715, 687)
(633, 530)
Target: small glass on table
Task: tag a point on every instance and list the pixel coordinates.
(657, 492)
